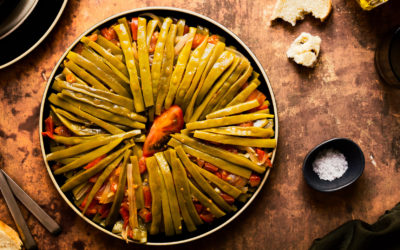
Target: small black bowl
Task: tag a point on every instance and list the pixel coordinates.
(354, 157)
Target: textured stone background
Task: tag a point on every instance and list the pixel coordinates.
(341, 97)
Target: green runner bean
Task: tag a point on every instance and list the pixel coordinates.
(205, 201)
(96, 93)
(172, 198)
(102, 178)
(244, 94)
(137, 180)
(77, 149)
(126, 45)
(99, 103)
(180, 67)
(166, 69)
(114, 60)
(96, 71)
(158, 55)
(88, 78)
(89, 157)
(87, 174)
(144, 64)
(242, 131)
(204, 185)
(190, 72)
(188, 211)
(219, 152)
(224, 121)
(220, 163)
(155, 188)
(119, 194)
(234, 109)
(199, 71)
(234, 140)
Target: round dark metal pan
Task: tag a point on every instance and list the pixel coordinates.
(16, 16)
(192, 19)
(31, 32)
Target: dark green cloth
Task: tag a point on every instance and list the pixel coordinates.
(357, 234)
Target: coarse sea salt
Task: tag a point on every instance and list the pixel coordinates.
(330, 164)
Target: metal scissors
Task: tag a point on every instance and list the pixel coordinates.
(9, 189)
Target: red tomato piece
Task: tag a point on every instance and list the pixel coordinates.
(147, 197)
(198, 207)
(145, 214)
(186, 29)
(254, 180)
(224, 175)
(247, 124)
(210, 167)
(92, 208)
(237, 181)
(142, 165)
(63, 131)
(229, 199)
(257, 95)
(213, 39)
(78, 48)
(129, 233)
(83, 203)
(94, 162)
(171, 121)
(125, 215)
(260, 154)
(134, 28)
(197, 40)
(70, 78)
(93, 37)
(263, 106)
(207, 217)
(109, 33)
(49, 127)
(104, 210)
(268, 162)
(200, 162)
(153, 42)
(125, 204)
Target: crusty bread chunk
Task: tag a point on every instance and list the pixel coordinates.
(305, 49)
(293, 10)
(9, 239)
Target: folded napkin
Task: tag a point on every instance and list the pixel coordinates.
(357, 234)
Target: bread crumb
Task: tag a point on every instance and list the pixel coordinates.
(293, 10)
(9, 238)
(305, 49)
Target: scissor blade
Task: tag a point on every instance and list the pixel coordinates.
(48, 222)
(19, 220)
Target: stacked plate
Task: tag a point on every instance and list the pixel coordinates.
(13, 14)
(23, 26)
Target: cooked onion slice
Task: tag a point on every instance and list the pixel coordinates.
(181, 43)
(133, 220)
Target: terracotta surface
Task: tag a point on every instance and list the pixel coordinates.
(341, 97)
